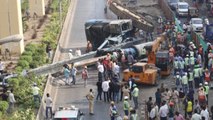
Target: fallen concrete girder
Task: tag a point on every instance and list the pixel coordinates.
(12, 38)
(86, 59)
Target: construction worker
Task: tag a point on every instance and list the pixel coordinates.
(182, 64)
(207, 75)
(196, 76)
(201, 74)
(175, 65)
(185, 83)
(206, 89)
(186, 60)
(190, 78)
(178, 80)
(135, 94)
(191, 61)
(126, 105)
(90, 97)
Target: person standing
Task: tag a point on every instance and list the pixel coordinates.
(99, 89)
(85, 75)
(36, 95)
(77, 52)
(206, 90)
(105, 88)
(12, 101)
(130, 84)
(178, 116)
(149, 105)
(158, 97)
(66, 74)
(4, 96)
(73, 73)
(126, 105)
(112, 110)
(133, 114)
(48, 102)
(126, 91)
(90, 98)
(196, 116)
(100, 71)
(48, 50)
(163, 112)
(116, 91)
(135, 94)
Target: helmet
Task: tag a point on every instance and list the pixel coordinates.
(112, 103)
(126, 97)
(200, 84)
(206, 83)
(70, 50)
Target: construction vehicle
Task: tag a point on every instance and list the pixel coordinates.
(142, 73)
(209, 33)
(138, 20)
(158, 54)
(193, 12)
(103, 33)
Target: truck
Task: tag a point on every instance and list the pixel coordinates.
(209, 33)
(102, 32)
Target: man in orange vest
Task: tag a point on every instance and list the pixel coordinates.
(207, 75)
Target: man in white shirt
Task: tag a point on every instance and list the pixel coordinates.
(48, 102)
(36, 95)
(100, 71)
(11, 101)
(204, 113)
(105, 87)
(196, 116)
(78, 52)
(116, 70)
(164, 110)
(153, 113)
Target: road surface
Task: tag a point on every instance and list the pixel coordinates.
(82, 11)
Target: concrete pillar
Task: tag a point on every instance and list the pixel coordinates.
(37, 6)
(11, 24)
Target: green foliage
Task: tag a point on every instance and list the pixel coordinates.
(31, 47)
(18, 69)
(27, 58)
(27, 114)
(27, 53)
(3, 106)
(23, 63)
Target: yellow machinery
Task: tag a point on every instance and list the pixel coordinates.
(158, 54)
(142, 73)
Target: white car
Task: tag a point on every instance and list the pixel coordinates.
(71, 113)
(196, 24)
(182, 9)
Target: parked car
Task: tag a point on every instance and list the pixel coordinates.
(70, 113)
(182, 9)
(196, 24)
(173, 4)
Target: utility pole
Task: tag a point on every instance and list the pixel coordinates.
(60, 12)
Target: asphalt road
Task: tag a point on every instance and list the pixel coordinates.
(82, 11)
